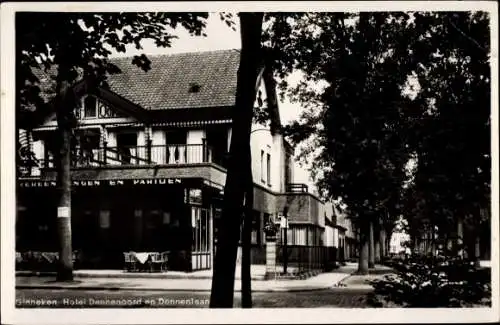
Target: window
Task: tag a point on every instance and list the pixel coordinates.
(200, 228)
(126, 146)
(256, 235)
(262, 166)
(90, 106)
(269, 169)
(299, 236)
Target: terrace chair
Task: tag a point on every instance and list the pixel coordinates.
(19, 261)
(154, 259)
(130, 261)
(36, 260)
(164, 261)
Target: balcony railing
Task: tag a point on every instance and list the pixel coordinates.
(178, 154)
(297, 188)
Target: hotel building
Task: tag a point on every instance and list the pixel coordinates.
(149, 166)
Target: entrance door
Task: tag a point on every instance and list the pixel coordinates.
(201, 250)
(126, 143)
(217, 143)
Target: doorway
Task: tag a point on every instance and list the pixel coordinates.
(201, 249)
(126, 143)
(217, 144)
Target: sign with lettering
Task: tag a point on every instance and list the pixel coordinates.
(97, 183)
(195, 196)
(63, 212)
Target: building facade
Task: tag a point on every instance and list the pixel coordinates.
(341, 233)
(149, 158)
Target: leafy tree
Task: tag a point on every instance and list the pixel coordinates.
(75, 46)
(453, 138)
(358, 149)
(399, 87)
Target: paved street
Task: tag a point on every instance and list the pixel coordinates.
(336, 297)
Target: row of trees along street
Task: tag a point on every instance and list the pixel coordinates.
(399, 90)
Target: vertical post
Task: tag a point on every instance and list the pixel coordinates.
(148, 150)
(211, 236)
(45, 157)
(104, 239)
(105, 152)
(204, 150)
(138, 227)
(285, 244)
(270, 256)
(148, 135)
(103, 139)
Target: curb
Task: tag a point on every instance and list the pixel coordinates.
(122, 276)
(101, 288)
(291, 277)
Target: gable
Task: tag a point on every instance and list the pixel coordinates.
(266, 106)
(94, 109)
(180, 86)
(261, 99)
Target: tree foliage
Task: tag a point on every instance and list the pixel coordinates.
(382, 89)
(452, 137)
(70, 47)
(83, 42)
(360, 153)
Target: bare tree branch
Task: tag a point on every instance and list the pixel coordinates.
(467, 36)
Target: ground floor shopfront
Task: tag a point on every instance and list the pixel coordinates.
(176, 215)
(112, 217)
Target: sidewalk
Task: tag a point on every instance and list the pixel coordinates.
(258, 273)
(362, 282)
(199, 282)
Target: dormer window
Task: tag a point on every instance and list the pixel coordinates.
(194, 88)
(90, 107)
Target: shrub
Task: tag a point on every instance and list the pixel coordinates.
(433, 282)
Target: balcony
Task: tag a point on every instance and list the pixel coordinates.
(168, 155)
(297, 188)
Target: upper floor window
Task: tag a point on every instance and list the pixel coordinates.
(262, 170)
(176, 137)
(269, 169)
(90, 107)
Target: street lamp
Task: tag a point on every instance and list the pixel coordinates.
(284, 225)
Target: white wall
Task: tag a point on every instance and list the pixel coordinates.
(329, 237)
(335, 237)
(141, 144)
(262, 140)
(158, 137)
(195, 153)
(158, 154)
(195, 136)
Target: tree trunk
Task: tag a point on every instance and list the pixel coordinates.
(388, 236)
(477, 251)
(364, 238)
(383, 247)
(246, 249)
(433, 239)
(460, 237)
(378, 253)
(371, 247)
(222, 293)
(64, 105)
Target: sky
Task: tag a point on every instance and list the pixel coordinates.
(221, 37)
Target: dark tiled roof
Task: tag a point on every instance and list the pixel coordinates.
(167, 85)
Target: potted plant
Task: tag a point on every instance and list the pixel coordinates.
(270, 229)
